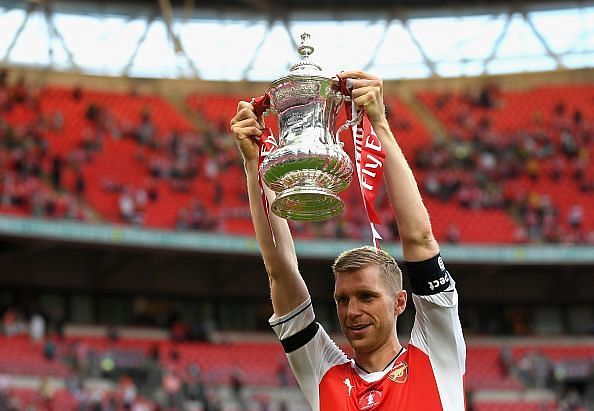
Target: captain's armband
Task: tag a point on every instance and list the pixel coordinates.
(428, 277)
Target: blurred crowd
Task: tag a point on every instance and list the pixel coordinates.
(571, 379)
(122, 377)
(28, 168)
(478, 167)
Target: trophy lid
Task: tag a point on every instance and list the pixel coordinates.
(305, 67)
(304, 82)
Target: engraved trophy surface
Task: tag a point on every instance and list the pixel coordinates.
(309, 167)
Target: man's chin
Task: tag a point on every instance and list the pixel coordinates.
(359, 344)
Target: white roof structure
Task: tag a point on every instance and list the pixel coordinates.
(255, 46)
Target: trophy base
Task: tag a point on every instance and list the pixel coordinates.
(307, 204)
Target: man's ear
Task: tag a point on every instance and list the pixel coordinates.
(400, 302)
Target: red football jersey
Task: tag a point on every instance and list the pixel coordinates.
(342, 388)
(426, 376)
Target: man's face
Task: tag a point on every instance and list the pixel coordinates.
(366, 308)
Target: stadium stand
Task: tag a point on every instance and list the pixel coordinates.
(126, 149)
(261, 364)
(139, 161)
(517, 406)
(531, 149)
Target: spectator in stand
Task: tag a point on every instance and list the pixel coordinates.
(193, 387)
(11, 324)
(218, 193)
(182, 220)
(575, 216)
(212, 402)
(93, 112)
(140, 199)
(506, 360)
(129, 210)
(180, 330)
(20, 94)
(95, 400)
(57, 166)
(172, 389)
(47, 393)
(569, 144)
(126, 206)
(49, 349)
(80, 357)
(535, 370)
(238, 388)
(4, 382)
(91, 141)
(154, 353)
(174, 353)
(37, 327)
(79, 184)
(3, 77)
(263, 401)
(452, 235)
(129, 391)
(556, 170)
(195, 217)
(283, 373)
(580, 166)
(57, 121)
(146, 129)
(488, 97)
(56, 322)
(533, 169)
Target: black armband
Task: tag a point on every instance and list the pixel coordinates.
(298, 340)
(428, 277)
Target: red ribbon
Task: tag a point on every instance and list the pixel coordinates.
(266, 144)
(261, 104)
(369, 160)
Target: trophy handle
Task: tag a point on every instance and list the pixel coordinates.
(348, 124)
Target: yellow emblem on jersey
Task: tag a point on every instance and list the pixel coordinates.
(399, 373)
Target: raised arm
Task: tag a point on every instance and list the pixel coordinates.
(287, 288)
(412, 217)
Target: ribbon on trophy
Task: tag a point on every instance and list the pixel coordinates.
(266, 144)
(369, 159)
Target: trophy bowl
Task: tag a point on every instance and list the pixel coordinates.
(309, 167)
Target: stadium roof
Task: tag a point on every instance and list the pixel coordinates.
(256, 39)
(328, 5)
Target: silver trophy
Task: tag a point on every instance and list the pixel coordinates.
(309, 167)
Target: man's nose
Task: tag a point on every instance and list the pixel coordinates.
(354, 308)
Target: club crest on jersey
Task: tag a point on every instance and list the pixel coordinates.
(370, 399)
(399, 373)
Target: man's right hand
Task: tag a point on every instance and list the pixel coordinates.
(246, 127)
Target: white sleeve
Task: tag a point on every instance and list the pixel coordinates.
(310, 350)
(437, 330)
(438, 333)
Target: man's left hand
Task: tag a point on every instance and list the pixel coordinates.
(368, 94)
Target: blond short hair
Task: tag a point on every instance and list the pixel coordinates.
(362, 257)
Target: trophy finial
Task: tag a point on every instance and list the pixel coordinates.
(305, 49)
(305, 66)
